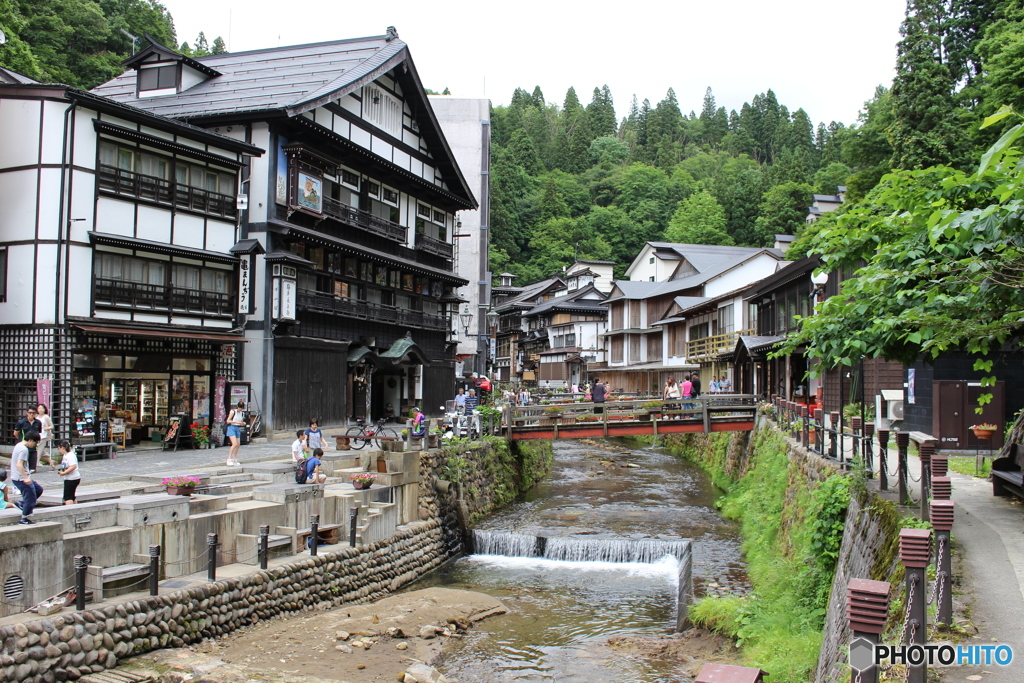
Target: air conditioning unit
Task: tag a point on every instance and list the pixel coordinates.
(895, 410)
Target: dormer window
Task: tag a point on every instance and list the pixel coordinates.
(162, 71)
(158, 78)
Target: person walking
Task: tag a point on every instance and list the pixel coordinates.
(235, 421)
(22, 477)
(46, 434)
(597, 394)
(314, 436)
(69, 471)
(27, 424)
(460, 401)
(472, 401)
(713, 385)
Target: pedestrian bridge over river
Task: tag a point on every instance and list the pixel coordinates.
(710, 413)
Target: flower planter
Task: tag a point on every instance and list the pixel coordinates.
(984, 433)
(181, 490)
(361, 485)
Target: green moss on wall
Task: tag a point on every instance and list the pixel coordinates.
(792, 528)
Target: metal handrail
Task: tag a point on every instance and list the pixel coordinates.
(162, 298)
(432, 245)
(363, 219)
(155, 189)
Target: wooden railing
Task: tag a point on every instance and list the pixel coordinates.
(137, 295)
(432, 245)
(729, 412)
(311, 300)
(703, 349)
(364, 220)
(128, 184)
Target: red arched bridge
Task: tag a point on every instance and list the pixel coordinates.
(710, 413)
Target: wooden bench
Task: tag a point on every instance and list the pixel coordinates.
(1007, 474)
(103, 449)
(1006, 482)
(327, 534)
(97, 579)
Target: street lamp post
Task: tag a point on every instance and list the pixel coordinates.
(492, 325)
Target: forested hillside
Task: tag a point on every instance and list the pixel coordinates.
(83, 42)
(571, 181)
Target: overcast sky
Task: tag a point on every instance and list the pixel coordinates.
(823, 55)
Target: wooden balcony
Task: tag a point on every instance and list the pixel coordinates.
(363, 220)
(322, 302)
(707, 348)
(434, 246)
(144, 297)
(153, 189)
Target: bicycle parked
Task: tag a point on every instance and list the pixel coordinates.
(361, 435)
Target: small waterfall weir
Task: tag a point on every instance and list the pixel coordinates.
(573, 549)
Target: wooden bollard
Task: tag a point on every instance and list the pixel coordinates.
(867, 610)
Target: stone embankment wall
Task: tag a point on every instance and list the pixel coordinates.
(70, 645)
(870, 539)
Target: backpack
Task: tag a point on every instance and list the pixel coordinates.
(300, 472)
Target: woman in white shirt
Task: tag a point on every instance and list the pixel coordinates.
(69, 471)
(45, 436)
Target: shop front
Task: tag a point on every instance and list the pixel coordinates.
(131, 389)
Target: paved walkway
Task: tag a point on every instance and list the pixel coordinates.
(989, 534)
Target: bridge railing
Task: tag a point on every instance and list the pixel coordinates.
(704, 409)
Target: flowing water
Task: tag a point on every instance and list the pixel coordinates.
(567, 598)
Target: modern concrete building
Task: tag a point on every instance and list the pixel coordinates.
(467, 126)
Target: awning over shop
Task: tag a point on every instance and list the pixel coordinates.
(405, 349)
(364, 354)
(167, 334)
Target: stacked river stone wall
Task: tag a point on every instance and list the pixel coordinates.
(70, 645)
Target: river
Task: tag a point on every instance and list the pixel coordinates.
(562, 614)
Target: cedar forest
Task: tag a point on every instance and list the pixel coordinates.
(573, 181)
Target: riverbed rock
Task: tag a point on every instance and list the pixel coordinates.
(421, 673)
(427, 632)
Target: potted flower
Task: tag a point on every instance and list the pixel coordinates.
(985, 430)
(180, 486)
(363, 480)
(650, 408)
(201, 434)
(551, 415)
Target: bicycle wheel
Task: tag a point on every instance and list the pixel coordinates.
(355, 439)
(387, 433)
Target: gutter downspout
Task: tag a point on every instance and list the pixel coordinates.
(65, 187)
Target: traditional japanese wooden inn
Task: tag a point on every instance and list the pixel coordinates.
(348, 220)
(119, 271)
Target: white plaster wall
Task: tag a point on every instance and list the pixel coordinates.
(462, 122)
(188, 231)
(21, 116)
(51, 142)
(19, 306)
(259, 170)
(83, 205)
(220, 236)
(46, 283)
(18, 202)
(49, 203)
(80, 281)
(154, 224)
(112, 216)
(748, 273)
